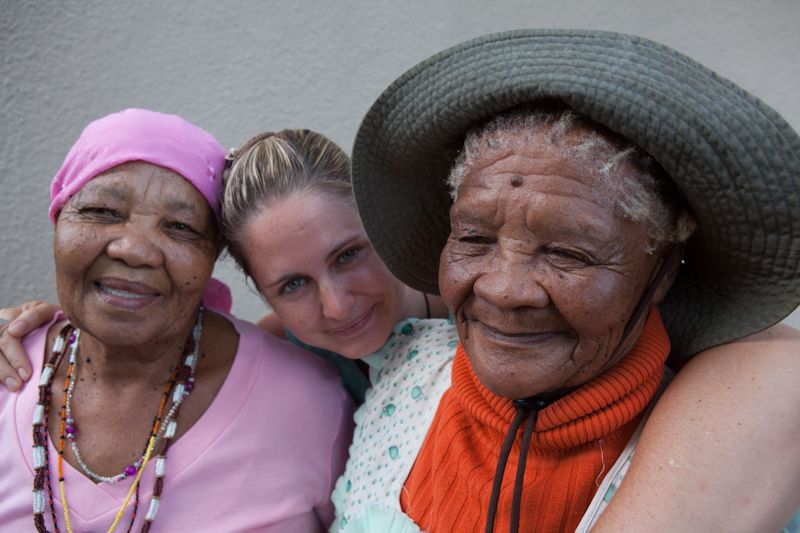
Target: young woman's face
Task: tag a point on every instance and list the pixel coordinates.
(310, 257)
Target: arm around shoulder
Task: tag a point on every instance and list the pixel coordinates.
(719, 452)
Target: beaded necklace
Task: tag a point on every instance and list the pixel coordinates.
(71, 430)
(179, 387)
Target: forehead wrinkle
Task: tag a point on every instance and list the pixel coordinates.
(115, 191)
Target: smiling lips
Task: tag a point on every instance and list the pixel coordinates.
(354, 326)
(528, 337)
(126, 294)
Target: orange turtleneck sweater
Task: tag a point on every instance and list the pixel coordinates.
(575, 441)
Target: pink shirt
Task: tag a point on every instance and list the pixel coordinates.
(263, 457)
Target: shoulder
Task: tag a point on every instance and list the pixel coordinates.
(759, 371)
(281, 356)
(720, 448)
(282, 374)
(412, 337)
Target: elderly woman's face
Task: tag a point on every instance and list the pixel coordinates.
(540, 272)
(134, 250)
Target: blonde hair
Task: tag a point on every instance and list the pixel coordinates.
(271, 167)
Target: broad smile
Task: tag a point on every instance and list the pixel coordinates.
(125, 294)
(355, 326)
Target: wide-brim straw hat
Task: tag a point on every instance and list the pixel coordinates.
(734, 159)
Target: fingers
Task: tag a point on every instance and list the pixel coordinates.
(15, 366)
(13, 371)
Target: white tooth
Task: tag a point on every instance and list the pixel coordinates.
(123, 294)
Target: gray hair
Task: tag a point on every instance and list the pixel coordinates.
(642, 191)
(273, 166)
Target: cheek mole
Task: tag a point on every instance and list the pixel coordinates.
(516, 181)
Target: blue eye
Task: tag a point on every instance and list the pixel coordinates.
(349, 255)
(293, 285)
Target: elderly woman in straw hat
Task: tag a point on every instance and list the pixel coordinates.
(144, 408)
(612, 205)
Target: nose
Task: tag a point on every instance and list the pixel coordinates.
(336, 300)
(512, 285)
(136, 247)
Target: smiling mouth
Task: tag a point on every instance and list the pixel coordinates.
(526, 338)
(124, 294)
(353, 327)
(133, 292)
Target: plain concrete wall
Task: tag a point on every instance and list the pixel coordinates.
(238, 68)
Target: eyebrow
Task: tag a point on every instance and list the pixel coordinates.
(176, 204)
(342, 244)
(116, 193)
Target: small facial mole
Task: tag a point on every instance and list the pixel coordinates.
(516, 181)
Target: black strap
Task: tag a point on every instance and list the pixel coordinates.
(501, 468)
(516, 501)
(427, 306)
(647, 297)
(529, 407)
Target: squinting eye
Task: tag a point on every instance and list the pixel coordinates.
(292, 285)
(474, 238)
(102, 214)
(180, 226)
(349, 255)
(569, 257)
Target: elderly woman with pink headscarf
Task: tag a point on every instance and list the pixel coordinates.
(145, 406)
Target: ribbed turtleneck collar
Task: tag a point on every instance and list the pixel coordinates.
(597, 408)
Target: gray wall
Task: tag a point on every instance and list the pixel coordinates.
(238, 68)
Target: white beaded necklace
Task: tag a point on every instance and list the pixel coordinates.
(71, 428)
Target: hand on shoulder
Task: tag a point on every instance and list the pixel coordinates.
(15, 366)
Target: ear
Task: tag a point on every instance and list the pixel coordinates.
(671, 261)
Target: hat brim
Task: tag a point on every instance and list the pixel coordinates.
(734, 159)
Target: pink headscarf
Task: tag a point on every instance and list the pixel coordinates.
(141, 135)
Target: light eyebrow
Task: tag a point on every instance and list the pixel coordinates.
(338, 247)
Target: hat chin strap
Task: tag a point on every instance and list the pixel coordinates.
(647, 298)
(530, 407)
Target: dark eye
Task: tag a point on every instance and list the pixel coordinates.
(473, 237)
(293, 285)
(349, 255)
(181, 226)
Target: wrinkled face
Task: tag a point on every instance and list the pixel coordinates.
(134, 250)
(310, 257)
(540, 272)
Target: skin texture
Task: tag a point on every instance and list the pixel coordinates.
(333, 292)
(540, 272)
(134, 248)
(133, 251)
(719, 452)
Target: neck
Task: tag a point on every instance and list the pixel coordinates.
(150, 362)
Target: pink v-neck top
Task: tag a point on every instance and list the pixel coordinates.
(263, 457)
